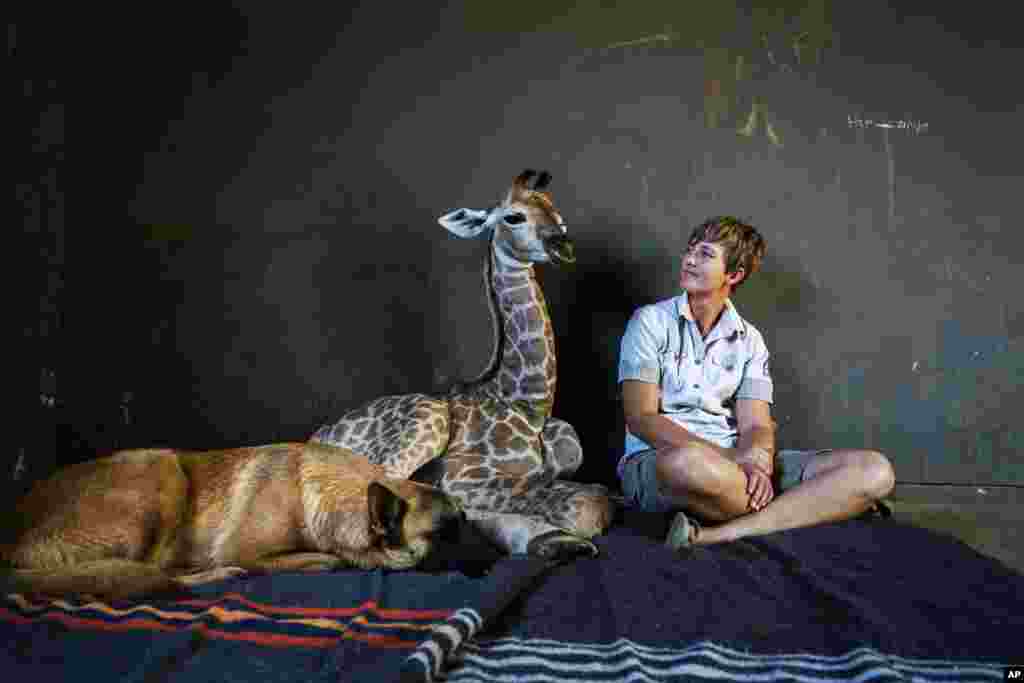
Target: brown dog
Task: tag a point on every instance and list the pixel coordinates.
(143, 521)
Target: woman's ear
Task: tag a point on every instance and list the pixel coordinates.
(736, 277)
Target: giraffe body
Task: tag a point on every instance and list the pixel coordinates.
(492, 442)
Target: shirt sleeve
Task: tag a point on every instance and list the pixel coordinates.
(757, 378)
(638, 355)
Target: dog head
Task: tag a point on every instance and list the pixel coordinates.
(419, 526)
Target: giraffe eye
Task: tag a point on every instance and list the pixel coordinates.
(515, 218)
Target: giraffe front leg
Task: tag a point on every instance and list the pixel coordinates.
(563, 453)
(585, 509)
(555, 522)
(518, 534)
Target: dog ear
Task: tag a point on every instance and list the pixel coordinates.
(386, 513)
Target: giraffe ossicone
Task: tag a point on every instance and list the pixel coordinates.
(492, 442)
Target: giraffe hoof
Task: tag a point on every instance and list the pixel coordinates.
(560, 547)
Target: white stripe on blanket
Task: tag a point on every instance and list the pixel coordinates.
(540, 660)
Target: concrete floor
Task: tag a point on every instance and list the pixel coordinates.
(989, 519)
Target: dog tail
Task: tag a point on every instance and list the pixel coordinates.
(109, 578)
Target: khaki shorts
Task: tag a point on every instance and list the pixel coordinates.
(640, 479)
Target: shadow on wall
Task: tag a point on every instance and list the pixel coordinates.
(590, 308)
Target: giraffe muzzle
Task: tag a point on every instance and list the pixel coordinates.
(561, 250)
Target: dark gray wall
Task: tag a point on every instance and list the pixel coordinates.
(34, 259)
(274, 256)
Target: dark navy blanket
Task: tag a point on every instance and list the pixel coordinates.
(859, 600)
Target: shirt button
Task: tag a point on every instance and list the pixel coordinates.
(696, 386)
(698, 361)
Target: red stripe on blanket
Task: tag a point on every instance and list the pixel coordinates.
(267, 639)
(368, 606)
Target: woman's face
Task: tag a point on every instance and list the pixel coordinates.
(702, 268)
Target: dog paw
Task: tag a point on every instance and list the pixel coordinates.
(217, 574)
(559, 547)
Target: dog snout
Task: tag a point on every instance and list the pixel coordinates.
(451, 531)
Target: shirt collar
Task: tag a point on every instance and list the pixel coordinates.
(730, 325)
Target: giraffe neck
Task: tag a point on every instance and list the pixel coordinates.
(525, 372)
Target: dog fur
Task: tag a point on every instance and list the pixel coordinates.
(154, 520)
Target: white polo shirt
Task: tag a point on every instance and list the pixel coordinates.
(699, 379)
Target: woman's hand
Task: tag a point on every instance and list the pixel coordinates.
(759, 485)
(759, 457)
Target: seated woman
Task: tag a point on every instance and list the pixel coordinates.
(697, 393)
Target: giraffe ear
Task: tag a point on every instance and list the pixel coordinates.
(466, 222)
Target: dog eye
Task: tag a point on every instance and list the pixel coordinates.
(515, 218)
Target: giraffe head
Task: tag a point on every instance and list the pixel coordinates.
(527, 227)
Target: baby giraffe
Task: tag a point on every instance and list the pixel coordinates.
(491, 442)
